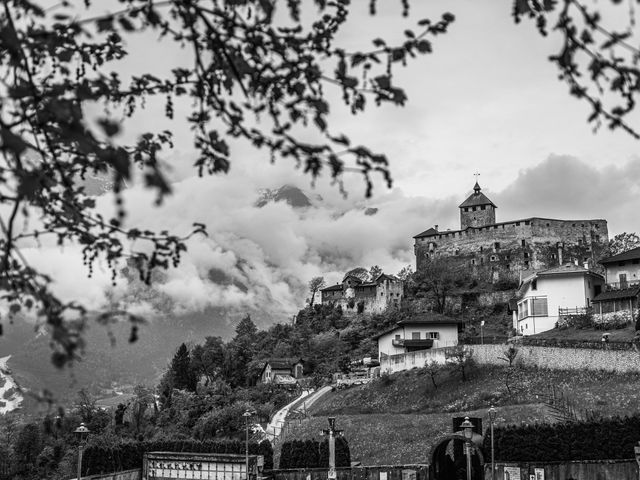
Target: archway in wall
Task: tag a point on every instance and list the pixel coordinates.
(448, 461)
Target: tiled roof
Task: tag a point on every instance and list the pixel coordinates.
(430, 318)
(476, 199)
(283, 362)
(337, 286)
(632, 254)
(616, 294)
(427, 233)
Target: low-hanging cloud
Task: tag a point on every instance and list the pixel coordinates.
(261, 259)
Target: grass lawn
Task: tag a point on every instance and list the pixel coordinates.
(588, 334)
(393, 439)
(397, 420)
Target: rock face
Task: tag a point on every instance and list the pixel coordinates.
(287, 193)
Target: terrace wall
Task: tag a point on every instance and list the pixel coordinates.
(554, 358)
(583, 470)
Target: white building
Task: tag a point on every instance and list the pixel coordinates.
(431, 330)
(546, 294)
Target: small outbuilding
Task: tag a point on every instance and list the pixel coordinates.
(282, 371)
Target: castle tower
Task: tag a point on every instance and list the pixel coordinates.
(477, 210)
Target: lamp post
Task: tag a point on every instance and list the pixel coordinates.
(492, 419)
(246, 416)
(82, 432)
(467, 428)
(332, 432)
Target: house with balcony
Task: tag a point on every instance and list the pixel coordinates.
(622, 290)
(546, 295)
(428, 330)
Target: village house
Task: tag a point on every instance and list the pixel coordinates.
(430, 330)
(355, 295)
(503, 249)
(282, 371)
(622, 290)
(546, 295)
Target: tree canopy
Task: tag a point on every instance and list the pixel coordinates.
(251, 76)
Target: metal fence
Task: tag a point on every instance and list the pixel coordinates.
(377, 472)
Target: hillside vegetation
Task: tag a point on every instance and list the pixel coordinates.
(407, 414)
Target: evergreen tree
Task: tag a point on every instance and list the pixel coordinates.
(183, 375)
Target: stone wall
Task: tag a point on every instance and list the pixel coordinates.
(477, 216)
(507, 247)
(553, 358)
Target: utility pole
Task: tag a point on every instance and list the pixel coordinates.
(332, 432)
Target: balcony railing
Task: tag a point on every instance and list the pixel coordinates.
(575, 311)
(423, 342)
(621, 285)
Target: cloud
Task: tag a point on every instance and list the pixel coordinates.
(566, 187)
(261, 259)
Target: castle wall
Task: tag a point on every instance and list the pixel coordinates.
(508, 247)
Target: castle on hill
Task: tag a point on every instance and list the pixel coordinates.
(503, 249)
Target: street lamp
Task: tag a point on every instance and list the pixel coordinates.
(467, 429)
(81, 432)
(246, 416)
(492, 419)
(332, 432)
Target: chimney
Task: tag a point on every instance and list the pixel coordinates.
(436, 227)
(586, 265)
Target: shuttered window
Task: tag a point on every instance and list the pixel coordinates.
(539, 307)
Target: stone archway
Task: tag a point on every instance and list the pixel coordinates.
(448, 462)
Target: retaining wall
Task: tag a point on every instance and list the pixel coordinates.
(555, 358)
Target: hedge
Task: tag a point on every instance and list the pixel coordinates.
(129, 455)
(313, 454)
(608, 439)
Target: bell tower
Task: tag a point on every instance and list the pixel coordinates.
(477, 210)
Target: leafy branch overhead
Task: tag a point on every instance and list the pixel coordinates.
(600, 65)
(251, 78)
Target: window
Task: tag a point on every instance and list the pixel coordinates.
(483, 207)
(527, 222)
(434, 335)
(526, 254)
(517, 224)
(457, 252)
(534, 284)
(415, 335)
(473, 261)
(523, 309)
(523, 242)
(397, 337)
(539, 307)
(526, 264)
(496, 245)
(548, 224)
(481, 249)
(636, 261)
(494, 258)
(473, 209)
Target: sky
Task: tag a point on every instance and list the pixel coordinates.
(487, 101)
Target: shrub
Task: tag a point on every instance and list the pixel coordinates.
(608, 439)
(385, 379)
(613, 320)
